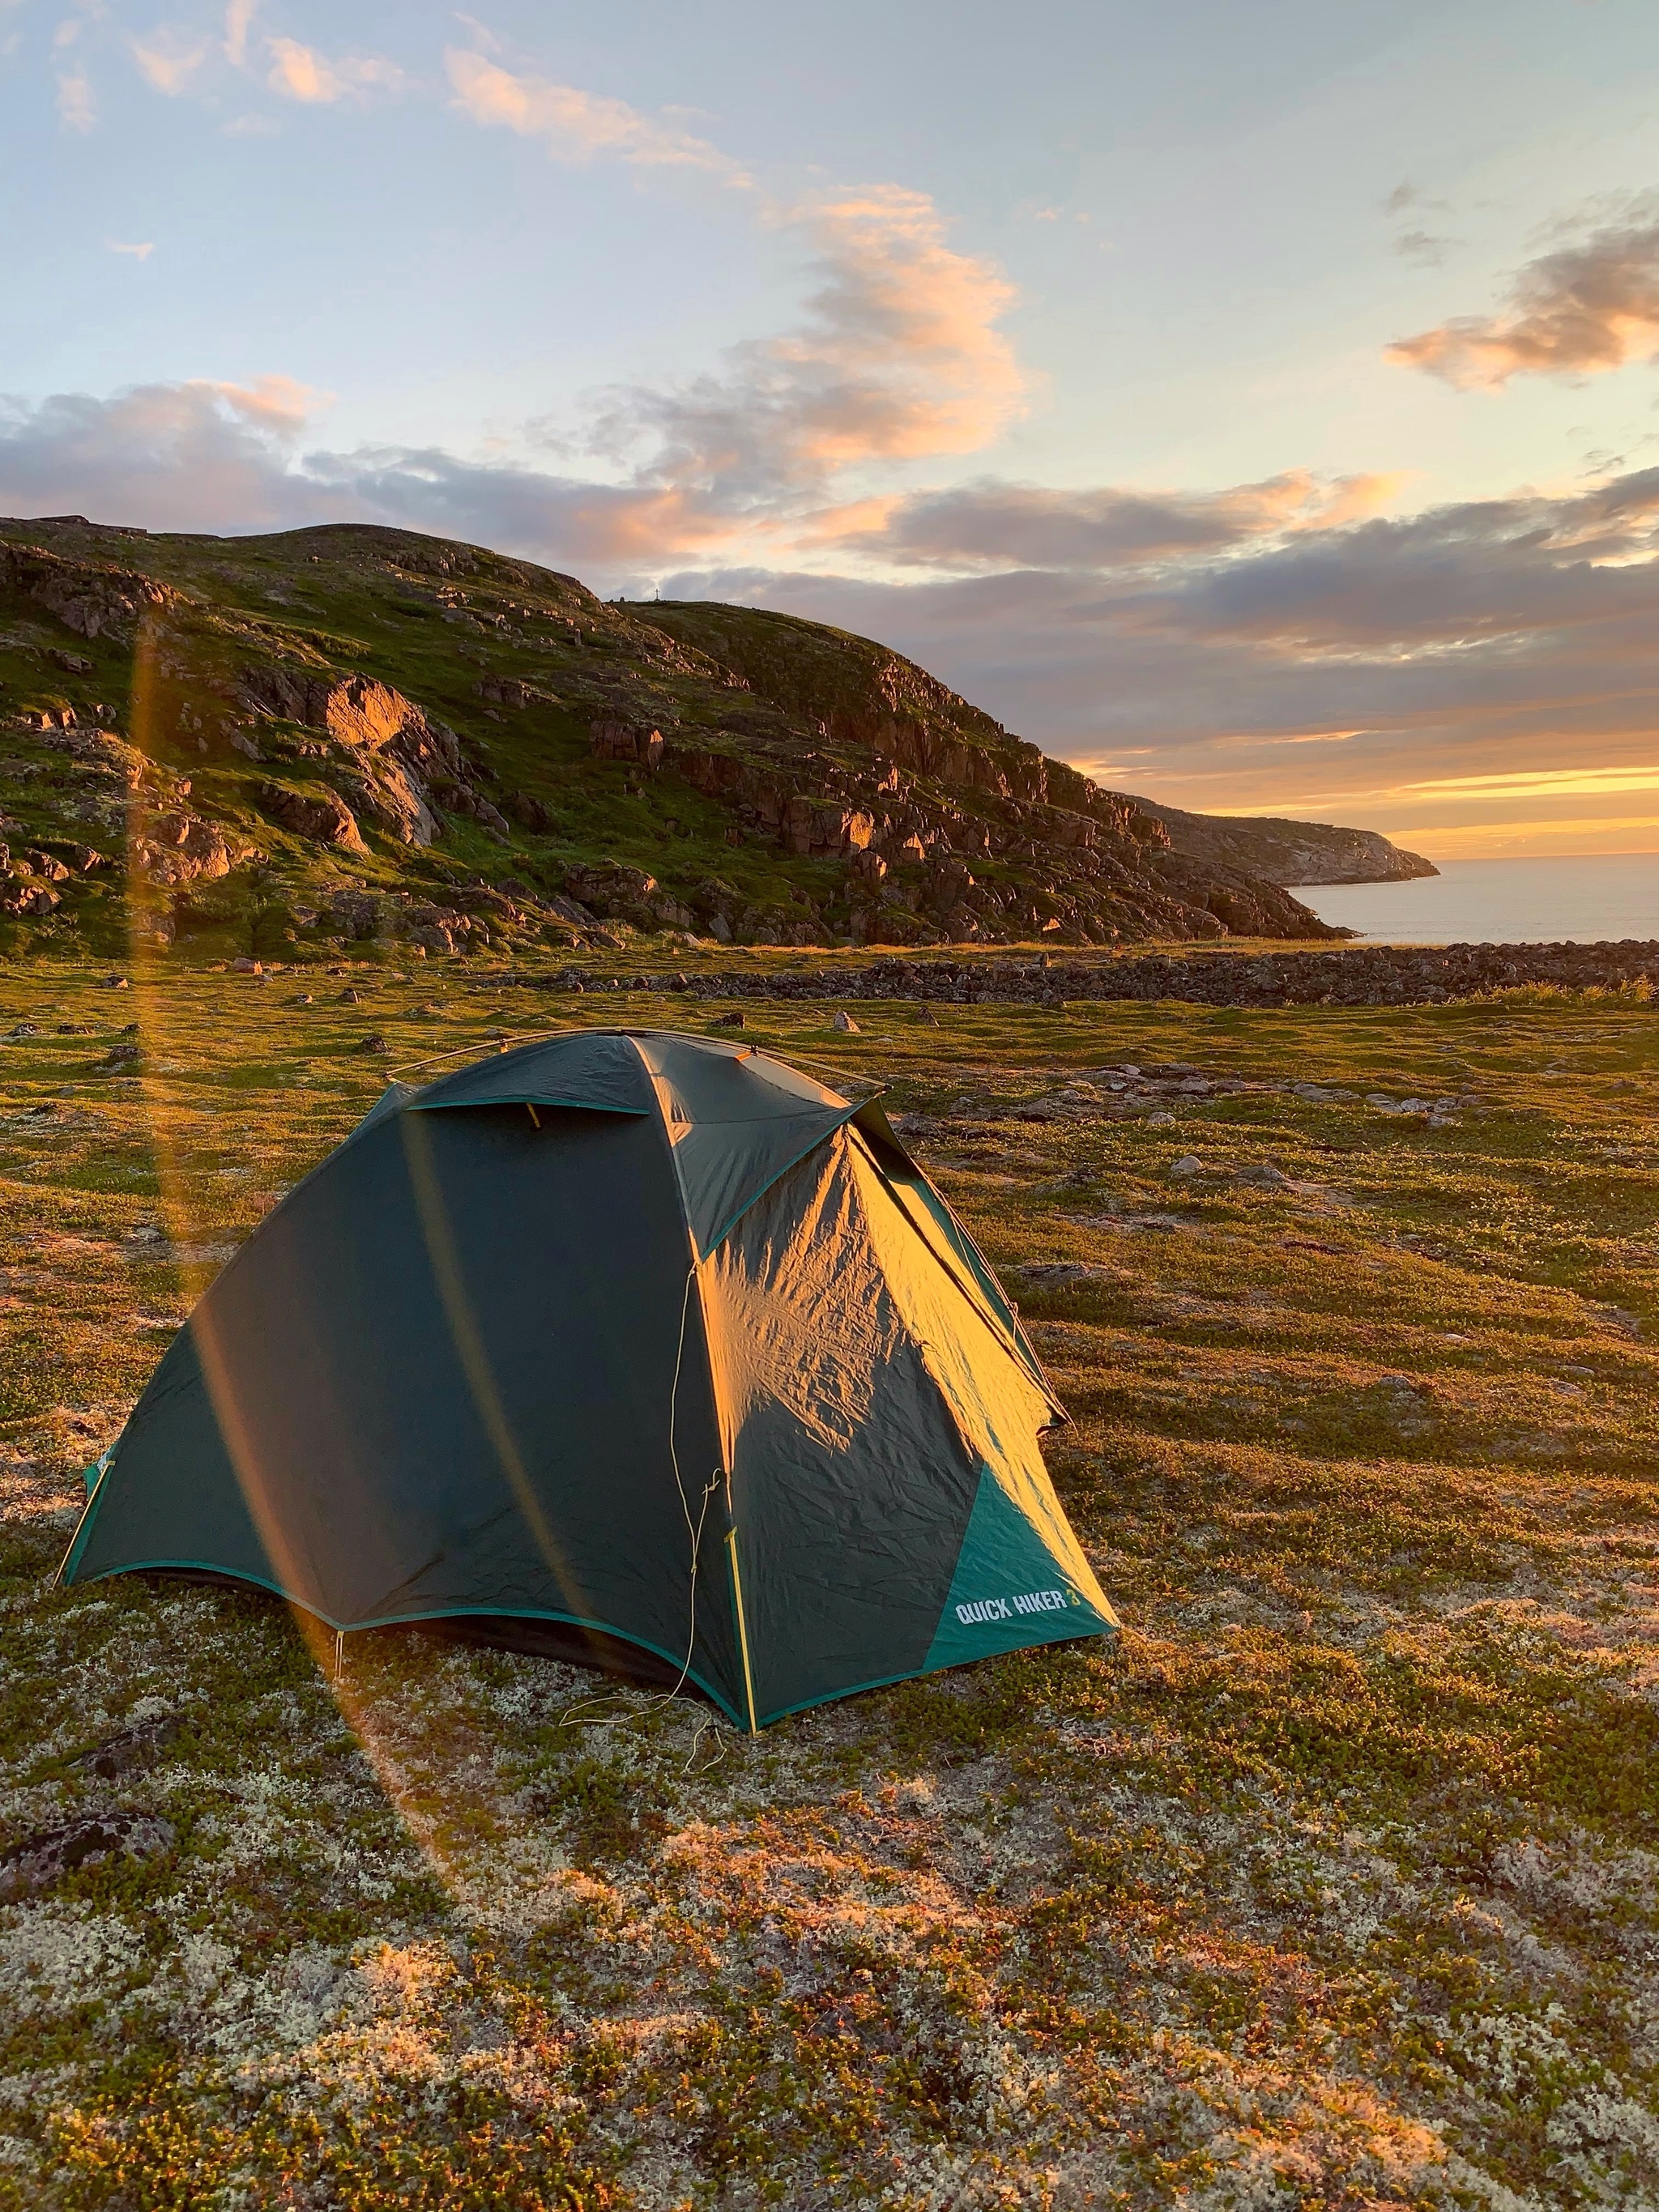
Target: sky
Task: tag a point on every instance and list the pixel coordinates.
(1258, 407)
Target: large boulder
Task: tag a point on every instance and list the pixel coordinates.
(625, 741)
(318, 813)
(177, 847)
(398, 757)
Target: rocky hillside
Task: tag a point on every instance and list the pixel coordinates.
(1287, 852)
(260, 745)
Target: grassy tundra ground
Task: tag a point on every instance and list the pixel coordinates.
(1333, 1883)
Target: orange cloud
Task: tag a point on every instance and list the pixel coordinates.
(167, 62)
(897, 356)
(301, 73)
(75, 105)
(239, 20)
(1584, 308)
(576, 126)
(902, 344)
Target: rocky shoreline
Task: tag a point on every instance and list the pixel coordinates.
(1348, 976)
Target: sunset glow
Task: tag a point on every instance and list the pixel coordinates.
(1368, 467)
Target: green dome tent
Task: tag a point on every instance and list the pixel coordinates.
(634, 1347)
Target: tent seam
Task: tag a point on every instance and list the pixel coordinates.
(721, 1423)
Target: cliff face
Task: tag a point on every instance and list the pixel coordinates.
(267, 743)
(1288, 853)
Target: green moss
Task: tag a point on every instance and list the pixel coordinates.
(1330, 1882)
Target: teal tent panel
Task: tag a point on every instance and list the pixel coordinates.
(449, 1376)
(392, 1100)
(593, 1068)
(950, 1241)
(851, 1485)
(738, 1120)
(1009, 1591)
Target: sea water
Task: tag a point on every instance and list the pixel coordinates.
(1587, 900)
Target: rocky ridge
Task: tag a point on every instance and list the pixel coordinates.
(1352, 976)
(351, 735)
(1288, 853)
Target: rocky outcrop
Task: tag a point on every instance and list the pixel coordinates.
(25, 896)
(950, 829)
(1287, 853)
(176, 847)
(399, 759)
(612, 741)
(625, 893)
(318, 813)
(93, 598)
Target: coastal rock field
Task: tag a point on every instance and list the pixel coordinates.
(1332, 1883)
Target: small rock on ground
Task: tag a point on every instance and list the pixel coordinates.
(133, 1748)
(42, 1860)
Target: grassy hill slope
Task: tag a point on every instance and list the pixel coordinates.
(260, 744)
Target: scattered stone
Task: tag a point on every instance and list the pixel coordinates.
(1060, 1275)
(1160, 1120)
(39, 1861)
(115, 983)
(1188, 1165)
(1125, 1224)
(120, 1055)
(351, 998)
(1266, 1175)
(374, 1044)
(243, 967)
(302, 999)
(728, 1021)
(846, 1024)
(134, 1747)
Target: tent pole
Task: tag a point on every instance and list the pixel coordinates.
(743, 1626)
